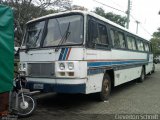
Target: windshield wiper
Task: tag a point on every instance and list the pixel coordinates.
(64, 38)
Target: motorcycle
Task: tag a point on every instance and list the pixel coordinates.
(21, 102)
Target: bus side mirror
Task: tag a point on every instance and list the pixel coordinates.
(16, 53)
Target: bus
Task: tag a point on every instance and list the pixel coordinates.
(82, 52)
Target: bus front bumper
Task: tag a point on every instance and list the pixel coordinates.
(57, 85)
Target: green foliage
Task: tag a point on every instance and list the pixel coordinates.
(155, 40)
(121, 20)
(99, 11)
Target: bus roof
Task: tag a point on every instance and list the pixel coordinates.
(85, 13)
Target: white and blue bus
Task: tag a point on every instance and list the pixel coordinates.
(82, 52)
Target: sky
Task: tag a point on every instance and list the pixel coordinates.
(144, 11)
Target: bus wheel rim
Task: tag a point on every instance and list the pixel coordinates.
(106, 86)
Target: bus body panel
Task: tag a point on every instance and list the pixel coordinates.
(63, 54)
(126, 75)
(94, 83)
(122, 62)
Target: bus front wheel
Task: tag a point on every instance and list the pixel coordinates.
(106, 88)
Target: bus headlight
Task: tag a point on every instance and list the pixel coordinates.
(61, 66)
(70, 66)
(24, 66)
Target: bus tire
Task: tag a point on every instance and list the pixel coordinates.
(150, 73)
(142, 76)
(106, 88)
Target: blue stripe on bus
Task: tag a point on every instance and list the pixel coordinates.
(65, 54)
(61, 54)
(101, 66)
(94, 71)
(98, 64)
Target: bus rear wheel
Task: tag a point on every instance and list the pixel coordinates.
(142, 77)
(106, 88)
(153, 68)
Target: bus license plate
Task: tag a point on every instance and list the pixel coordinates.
(38, 86)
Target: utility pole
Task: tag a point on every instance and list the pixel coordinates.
(137, 26)
(128, 13)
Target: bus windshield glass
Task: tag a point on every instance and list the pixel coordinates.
(34, 34)
(66, 30)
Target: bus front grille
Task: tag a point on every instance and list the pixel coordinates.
(41, 69)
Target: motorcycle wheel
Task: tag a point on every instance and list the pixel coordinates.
(27, 107)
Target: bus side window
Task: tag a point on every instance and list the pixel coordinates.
(121, 40)
(117, 39)
(140, 45)
(92, 33)
(131, 43)
(102, 39)
(97, 35)
(146, 47)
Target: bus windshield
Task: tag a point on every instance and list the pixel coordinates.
(66, 30)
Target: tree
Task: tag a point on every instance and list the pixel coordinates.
(100, 11)
(121, 20)
(77, 7)
(155, 40)
(25, 10)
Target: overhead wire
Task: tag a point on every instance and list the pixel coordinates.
(116, 4)
(110, 6)
(141, 25)
(145, 30)
(125, 13)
